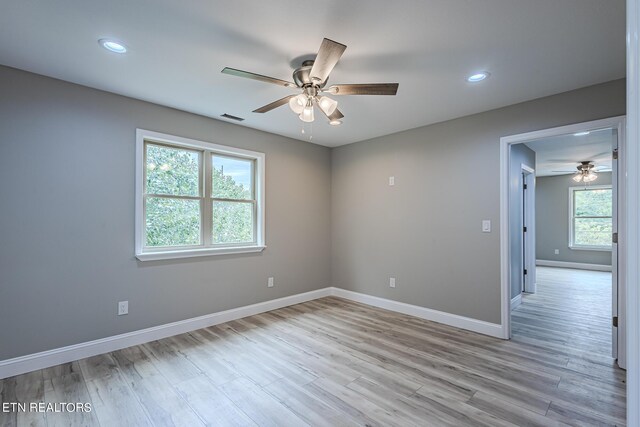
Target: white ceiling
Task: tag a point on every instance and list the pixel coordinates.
(560, 155)
(177, 49)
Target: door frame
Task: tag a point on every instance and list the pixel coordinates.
(631, 232)
(506, 142)
(529, 220)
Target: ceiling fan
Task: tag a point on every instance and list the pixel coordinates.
(312, 77)
(587, 172)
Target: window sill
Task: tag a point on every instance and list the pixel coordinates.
(156, 256)
(590, 248)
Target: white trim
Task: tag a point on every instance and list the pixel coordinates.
(631, 231)
(516, 301)
(562, 130)
(505, 280)
(474, 325)
(31, 362)
(45, 359)
(147, 254)
(575, 265)
(155, 256)
(505, 144)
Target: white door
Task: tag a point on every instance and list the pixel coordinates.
(528, 229)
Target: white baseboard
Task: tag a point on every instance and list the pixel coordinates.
(576, 265)
(474, 325)
(46, 359)
(516, 301)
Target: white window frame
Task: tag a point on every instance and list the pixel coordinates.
(572, 244)
(152, 254)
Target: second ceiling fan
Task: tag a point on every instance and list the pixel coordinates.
(312, 77)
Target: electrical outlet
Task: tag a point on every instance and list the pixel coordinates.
(392, 282)
(392, 180)
(270, 282)
(123, 308)
(557, 251)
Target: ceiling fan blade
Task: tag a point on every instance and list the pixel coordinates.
(275, 104)
(364, 89)
(259, 77)
(327, 58)
(336, 115)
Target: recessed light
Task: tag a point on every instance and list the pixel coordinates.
(581, 133)
(113, 46)
(478, 77)
(335, 122)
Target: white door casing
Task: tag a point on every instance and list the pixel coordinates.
(617, 123)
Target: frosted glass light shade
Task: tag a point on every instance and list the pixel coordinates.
(577, 178)
(297, 103)
(307, 113)
(327, 105)
(590, 177)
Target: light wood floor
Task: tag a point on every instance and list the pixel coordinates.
(331, 362)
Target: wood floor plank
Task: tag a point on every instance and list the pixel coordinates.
(352, 403)
(114, 403)
(211, 405)
(260, 406)
(68, 387)
(512, 413)
(163, 405)
(312, 410)
(29, 389)
(173, 365)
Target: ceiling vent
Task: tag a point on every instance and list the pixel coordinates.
(229, 116)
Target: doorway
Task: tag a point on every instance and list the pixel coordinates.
(587, 231)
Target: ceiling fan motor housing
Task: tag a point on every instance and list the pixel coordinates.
(302, 78)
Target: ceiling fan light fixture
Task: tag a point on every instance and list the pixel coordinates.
(297, 103)
(307, 113)
(577, 177)
(589, 177)
(327, 105)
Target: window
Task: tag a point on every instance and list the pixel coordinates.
(590, 222)
(196, 198)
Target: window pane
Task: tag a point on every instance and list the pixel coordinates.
(172, 171)
(172, 222)
(232, 178)
(593, 231)
(232, 222)
(593, 202)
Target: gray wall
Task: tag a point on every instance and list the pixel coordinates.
(519, 155)
(426, 230)
(552, 221)
(67, 189)
(67, 224)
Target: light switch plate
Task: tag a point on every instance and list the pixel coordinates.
(392, 282)
(392, 180)
(486, 226)
(270, 282)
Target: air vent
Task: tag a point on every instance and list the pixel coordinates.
(229, 116)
